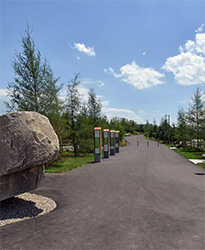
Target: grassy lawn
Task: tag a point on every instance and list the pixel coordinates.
(69, 162)
(188, 154)
(201, 165)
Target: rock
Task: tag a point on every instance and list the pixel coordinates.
(27, 141)
(68, 148)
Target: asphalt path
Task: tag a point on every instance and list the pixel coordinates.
(145, 197)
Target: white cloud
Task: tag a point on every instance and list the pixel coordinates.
(98, 82)
(77, 57)
(195, 47)
(144, 53)
(82, 48)
(139, 77)
(101, 84)
(3, 92)
(100, 96)
(200, 29)
(140, 111)
(105, 103)
(188, 66)
(84, 93)
(122, 113)
(109, 71)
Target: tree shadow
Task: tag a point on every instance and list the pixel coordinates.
(16, 208)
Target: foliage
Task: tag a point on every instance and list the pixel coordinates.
(73, 106)
(196, 117)
(115, 124)
(34, 87)
(94, 107)
(123, 143)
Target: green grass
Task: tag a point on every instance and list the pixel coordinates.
(123, 143)
(68, 162)
(202, 164)
(170, 144)
(188, 154)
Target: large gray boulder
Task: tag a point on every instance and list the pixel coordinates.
(27, 142)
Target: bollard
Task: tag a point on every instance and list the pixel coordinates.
(112, 142)
(106, 142)
(117, 140)
(147, 143)
(97, 144)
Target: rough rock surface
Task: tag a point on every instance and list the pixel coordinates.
(27, 139)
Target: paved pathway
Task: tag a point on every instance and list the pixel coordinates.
(142, 198)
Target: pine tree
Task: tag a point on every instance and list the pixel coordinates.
(196, 116)
(182, 132)
(73, 105)
(94, 107)
(34, 87)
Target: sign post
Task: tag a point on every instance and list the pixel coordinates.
(106, 142)
(117, 141)
(112, 142)
(97, 144)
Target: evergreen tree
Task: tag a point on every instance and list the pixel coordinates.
(196, 116)
(182, 127)
(34, 87)
(94, 107)
(73, 105)
(85, 131)
(117, 125)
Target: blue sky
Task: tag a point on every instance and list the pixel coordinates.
(144, 58)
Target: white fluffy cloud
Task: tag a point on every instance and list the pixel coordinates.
(139, 77)
(188, 66)
(122, 113)
(195, 47)
(82, 48)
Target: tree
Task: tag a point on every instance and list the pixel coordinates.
(182, 127)
(73, 106)
(115, 123)
(85, 131)
(34, 87)
(155, 130)
(94, 107)
(164, 130)
(196, 116)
